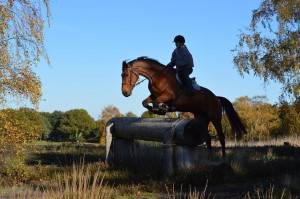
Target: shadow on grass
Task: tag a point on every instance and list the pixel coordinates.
(66, 156)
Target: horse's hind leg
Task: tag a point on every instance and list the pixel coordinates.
(218, 126)
(207, 140)
(208, 145)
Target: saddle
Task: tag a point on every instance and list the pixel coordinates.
(162, 109)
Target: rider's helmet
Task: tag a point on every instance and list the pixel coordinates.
(180, 39)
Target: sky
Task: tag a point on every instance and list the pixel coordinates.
(88, 40)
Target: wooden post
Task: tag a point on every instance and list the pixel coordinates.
(186, 157)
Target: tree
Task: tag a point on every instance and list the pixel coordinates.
(270, 47)
(290, 118)
(20, 126)
(171, 115)
(17, 127)
(259, 117)
(130, 114)
(97, 131)
(227, 128)
(149, 114)
(21, 46)
(76, 124)
(54, 119)
(46, 134)
(36, 125)
(186, 115)
(107, 113)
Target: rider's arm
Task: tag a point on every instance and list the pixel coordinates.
(172, 62)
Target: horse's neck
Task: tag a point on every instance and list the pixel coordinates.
(156, 74)
(148, 70)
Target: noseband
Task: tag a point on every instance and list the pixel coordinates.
(131, 74)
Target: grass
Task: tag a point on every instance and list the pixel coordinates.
(81, 182)
(271, 171)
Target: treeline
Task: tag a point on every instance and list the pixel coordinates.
(262, 119)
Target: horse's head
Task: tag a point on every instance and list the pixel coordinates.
(129, 79)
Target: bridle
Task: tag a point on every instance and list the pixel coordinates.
(130, 68)
(134, 73)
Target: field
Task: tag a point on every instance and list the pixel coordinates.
(65, 170)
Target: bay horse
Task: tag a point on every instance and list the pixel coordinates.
(167, 94)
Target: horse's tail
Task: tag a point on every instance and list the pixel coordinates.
(234, 119)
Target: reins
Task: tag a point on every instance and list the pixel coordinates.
(139, 82)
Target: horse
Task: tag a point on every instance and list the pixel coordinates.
(168, 95)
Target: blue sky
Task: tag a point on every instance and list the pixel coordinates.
(88, 40)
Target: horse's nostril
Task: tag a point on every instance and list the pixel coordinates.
(126, 94)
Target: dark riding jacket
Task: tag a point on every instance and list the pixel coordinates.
(181, 58)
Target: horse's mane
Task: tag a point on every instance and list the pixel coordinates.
(145, 58)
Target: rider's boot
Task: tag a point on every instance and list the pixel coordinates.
(190, 88)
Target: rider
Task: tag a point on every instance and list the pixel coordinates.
(183, 60)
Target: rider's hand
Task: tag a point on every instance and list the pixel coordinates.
(170, 65)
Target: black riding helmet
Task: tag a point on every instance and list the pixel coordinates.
(179, 38)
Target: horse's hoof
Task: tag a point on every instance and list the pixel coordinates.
(172, 109)
(145, 104)
(161, 112)
(158, 111)
(155, 110)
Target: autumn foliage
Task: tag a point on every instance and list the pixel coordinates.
(21, 47)
(17, 128)
(269, 47)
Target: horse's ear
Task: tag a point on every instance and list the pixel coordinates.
(124, 64)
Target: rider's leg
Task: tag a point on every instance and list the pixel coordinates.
(184, 77)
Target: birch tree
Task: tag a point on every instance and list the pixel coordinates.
(270, 46)
(21, 48)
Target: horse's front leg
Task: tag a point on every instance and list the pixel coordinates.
(155, 109)
(146, 103)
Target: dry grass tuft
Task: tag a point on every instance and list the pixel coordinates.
(80, 183)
